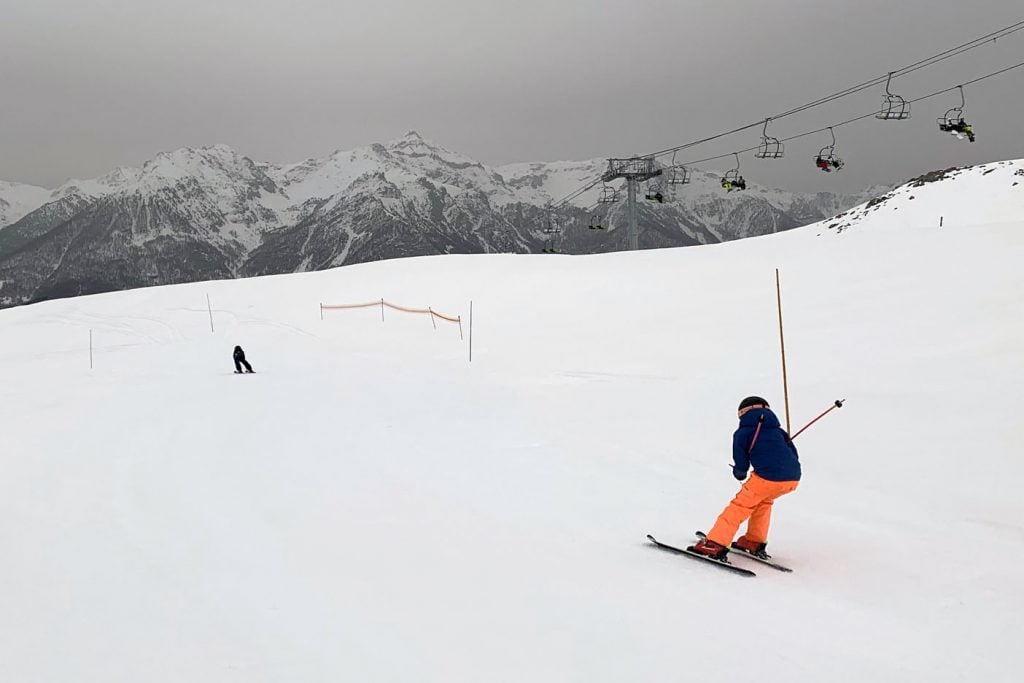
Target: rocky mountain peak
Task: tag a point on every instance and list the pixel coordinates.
(211, 212)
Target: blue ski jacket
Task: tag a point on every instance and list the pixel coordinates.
(773, 456)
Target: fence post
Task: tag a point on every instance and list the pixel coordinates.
(382, 309)
(210, 309)
(432, 321)
(460, 329)
(321, 310)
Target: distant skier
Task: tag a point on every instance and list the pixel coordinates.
(760, 442)
(239, 356)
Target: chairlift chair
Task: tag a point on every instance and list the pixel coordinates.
(551, 227)
(894, 107)
(680, 174)
(827, 160)
(596, 223)
(732, 180)
(953, 121)
(770, 147)
(654, 193)
(609, 195)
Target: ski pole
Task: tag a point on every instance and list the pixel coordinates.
(837, 404)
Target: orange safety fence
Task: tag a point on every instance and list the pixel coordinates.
(386, 304)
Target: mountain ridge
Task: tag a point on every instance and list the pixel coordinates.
(212, 212)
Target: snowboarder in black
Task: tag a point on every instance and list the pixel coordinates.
(240, 360)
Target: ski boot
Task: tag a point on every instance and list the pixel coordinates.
(707, 547)
(752, 547)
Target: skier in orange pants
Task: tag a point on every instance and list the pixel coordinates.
(761, 443)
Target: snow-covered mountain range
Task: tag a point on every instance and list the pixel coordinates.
(213, 213)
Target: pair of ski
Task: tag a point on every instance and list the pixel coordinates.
(723, 563)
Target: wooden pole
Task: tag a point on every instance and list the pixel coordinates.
(382, 309)
(471, 331)
(210, 309)
(782, 342)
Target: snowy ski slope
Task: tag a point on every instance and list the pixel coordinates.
(370, 506)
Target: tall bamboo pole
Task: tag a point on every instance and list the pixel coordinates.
(782, 342)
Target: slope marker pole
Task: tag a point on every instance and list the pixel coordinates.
(782, 343)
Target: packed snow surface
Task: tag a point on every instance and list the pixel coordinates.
(371, 506)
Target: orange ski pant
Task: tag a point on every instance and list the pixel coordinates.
(753, 503)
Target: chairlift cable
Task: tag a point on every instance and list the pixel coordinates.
(861, 117)
(934, 59)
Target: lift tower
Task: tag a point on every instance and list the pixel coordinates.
(634, 171)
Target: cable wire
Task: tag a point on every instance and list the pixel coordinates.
(902, 71)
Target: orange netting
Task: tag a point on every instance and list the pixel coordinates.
(386, 304)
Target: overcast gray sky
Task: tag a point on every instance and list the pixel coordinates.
(87, 85)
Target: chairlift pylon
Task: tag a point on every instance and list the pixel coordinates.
(894, 107)
(953, 122)
(770, 147)
(827, 159)
(732, 180)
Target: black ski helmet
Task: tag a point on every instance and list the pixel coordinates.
(753, 401)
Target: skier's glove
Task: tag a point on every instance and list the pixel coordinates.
(739, 474)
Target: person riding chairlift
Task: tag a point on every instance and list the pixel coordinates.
(737, 184)
(960, 128)
(827, 165)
